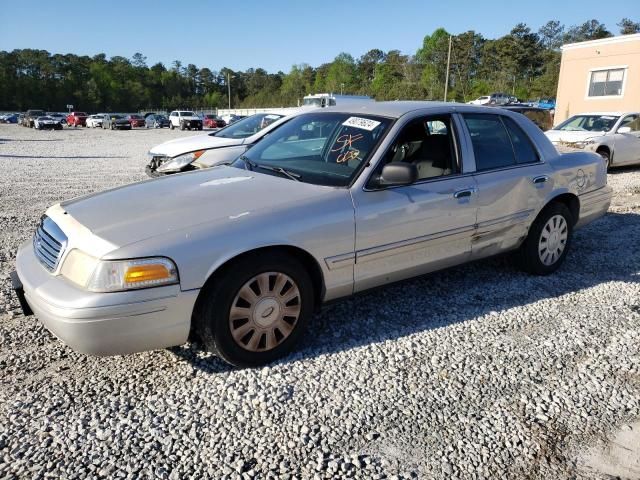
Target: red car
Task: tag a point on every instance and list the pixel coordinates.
(135, 120)
(211, 121)
(77, 119)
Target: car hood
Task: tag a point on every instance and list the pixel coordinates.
(135, 212)
(567, 136)
(191, 144)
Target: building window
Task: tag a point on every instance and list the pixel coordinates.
(606, 83)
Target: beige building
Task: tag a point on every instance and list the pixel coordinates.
(599, 76)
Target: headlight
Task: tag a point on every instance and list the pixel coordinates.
(584, 143)
(118, 275)
(178, 163)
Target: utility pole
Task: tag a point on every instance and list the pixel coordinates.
(341, 88)
(446, 82)
(229, 88)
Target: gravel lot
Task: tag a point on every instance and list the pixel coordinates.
(476, 372)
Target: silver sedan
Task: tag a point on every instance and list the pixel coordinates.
(333, 202)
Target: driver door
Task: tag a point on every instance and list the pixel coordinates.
(405, 231)
(627, 145)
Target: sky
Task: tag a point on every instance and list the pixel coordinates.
(273, 34)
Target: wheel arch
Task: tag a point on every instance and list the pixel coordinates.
(570, 200)
(305, 258)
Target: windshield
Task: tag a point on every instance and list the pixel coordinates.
(136, 117)
(187, 114)
(248, 126)
(324, 149)
(313, 101)
(116, 117)
(588, 123)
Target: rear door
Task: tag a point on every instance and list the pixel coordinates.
(512, 180)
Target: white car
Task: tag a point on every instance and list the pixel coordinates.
(613, 135)
(184, 119)
(484, 100)
(95, 121)
(202, 151)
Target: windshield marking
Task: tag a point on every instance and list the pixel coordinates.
(363, 123)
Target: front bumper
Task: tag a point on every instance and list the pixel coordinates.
(104, 323)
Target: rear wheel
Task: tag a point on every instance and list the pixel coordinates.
(256, 310)
(548, 241)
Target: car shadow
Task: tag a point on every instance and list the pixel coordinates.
(485, 287)
(624, 169)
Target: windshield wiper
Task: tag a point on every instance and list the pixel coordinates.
(248, 164)
(282, 171)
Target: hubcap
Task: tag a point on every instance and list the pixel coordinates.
(265, 311)
(553, 240)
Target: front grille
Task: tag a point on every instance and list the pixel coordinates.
(49, 243)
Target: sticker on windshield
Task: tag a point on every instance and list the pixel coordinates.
(363, 123)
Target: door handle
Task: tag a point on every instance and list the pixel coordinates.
(540, 179)
(464, 193)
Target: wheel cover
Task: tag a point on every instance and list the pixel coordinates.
(265, 311)
(553, 240)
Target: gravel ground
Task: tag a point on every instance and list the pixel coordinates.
(476, 372)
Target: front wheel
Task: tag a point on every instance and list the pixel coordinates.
(606, 157)
(256, 310)
(548, 241)
(171, 126)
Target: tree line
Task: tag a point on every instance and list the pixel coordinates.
(524, 62)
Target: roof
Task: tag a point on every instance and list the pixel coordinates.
(612, 114)
(391, 109)
(602, 41)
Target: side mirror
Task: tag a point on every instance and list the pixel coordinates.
(398, 173)
(624, 130)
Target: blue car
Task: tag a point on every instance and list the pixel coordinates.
(547, 103)
(12, 118)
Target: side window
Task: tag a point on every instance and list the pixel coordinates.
(491, 144)
(429, 144)
(631, 121)
(522, 146)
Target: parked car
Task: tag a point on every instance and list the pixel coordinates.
(156, 120)
(184, 120)
(334, 202)
(61, 117)
(203, 151)
(229, 119)
(546, 103)
(484, 100)
(94, 121)
(30, 117)
(113, 121)
(135, 120)
(615, 136)
(213, 121)
(47, 123)
(542, 118)
(77, 119)
(9, 118)
(498, 98)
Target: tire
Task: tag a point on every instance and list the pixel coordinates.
(553, 226)
(181, 125)
(112, 127)
(606, 157)
(276, 272)
(171, 126)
